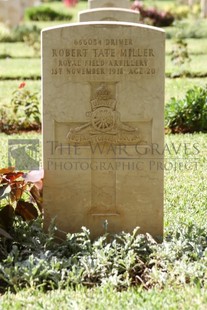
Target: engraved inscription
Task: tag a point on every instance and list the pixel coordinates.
(103, 57)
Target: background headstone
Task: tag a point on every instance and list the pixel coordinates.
(103, 129)
(10, 12)
(113, 14)
(28, 3)
(93, 4)
(204, 8)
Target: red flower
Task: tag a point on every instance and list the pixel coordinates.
(22, 85)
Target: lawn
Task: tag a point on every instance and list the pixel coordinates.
(107, 298)
(15, 69)
(178, 278)
(177, 87)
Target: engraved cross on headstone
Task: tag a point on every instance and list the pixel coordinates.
(106, 134)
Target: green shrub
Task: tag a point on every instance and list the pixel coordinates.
(22, 31)
(33, 39)
(188, 114)
(18, 33)
(180, 57)
(43, 13)
(182, 11)
(32, 258)
(23, 112)
(188, 29)
(152, 16)
(179, 53)
(5, 34)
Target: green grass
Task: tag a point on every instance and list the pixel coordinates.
(17, 50)
(107, 298)
(20, 68)
(194, 46)
(185, 185)
(196, 67)
(178, 87)
(59, 6)
(193, 27)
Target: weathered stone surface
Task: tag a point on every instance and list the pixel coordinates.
(103, 131)
(113, 14)
(93, 4)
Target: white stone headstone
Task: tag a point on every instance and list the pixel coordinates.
(28, 3)
(113, 14)
(103, 128)
(93, 4)
(204, 8)
(10, 12)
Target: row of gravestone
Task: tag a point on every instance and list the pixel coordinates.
(114, 10)
(12, 11)
(103, 128)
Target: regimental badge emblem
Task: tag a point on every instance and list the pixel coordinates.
(104, 123)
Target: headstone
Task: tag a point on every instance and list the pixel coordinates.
(29, 3)
(103, 95)
(204, 8)
(93, 4)
(113, 14)
(3, 11)
(10, 12)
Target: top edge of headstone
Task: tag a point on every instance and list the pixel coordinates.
(99, 23)
(106, 9)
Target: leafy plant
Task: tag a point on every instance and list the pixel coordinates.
(43, 13)
(33, 258)
(22, 31)
(18, 33)
(23, 112)
(33, 39)
(152, 16)
(179, 53)
(5, 34)
(20, 194)
(188, 114)
(180, 56)
(188, 29)
(180, 11)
